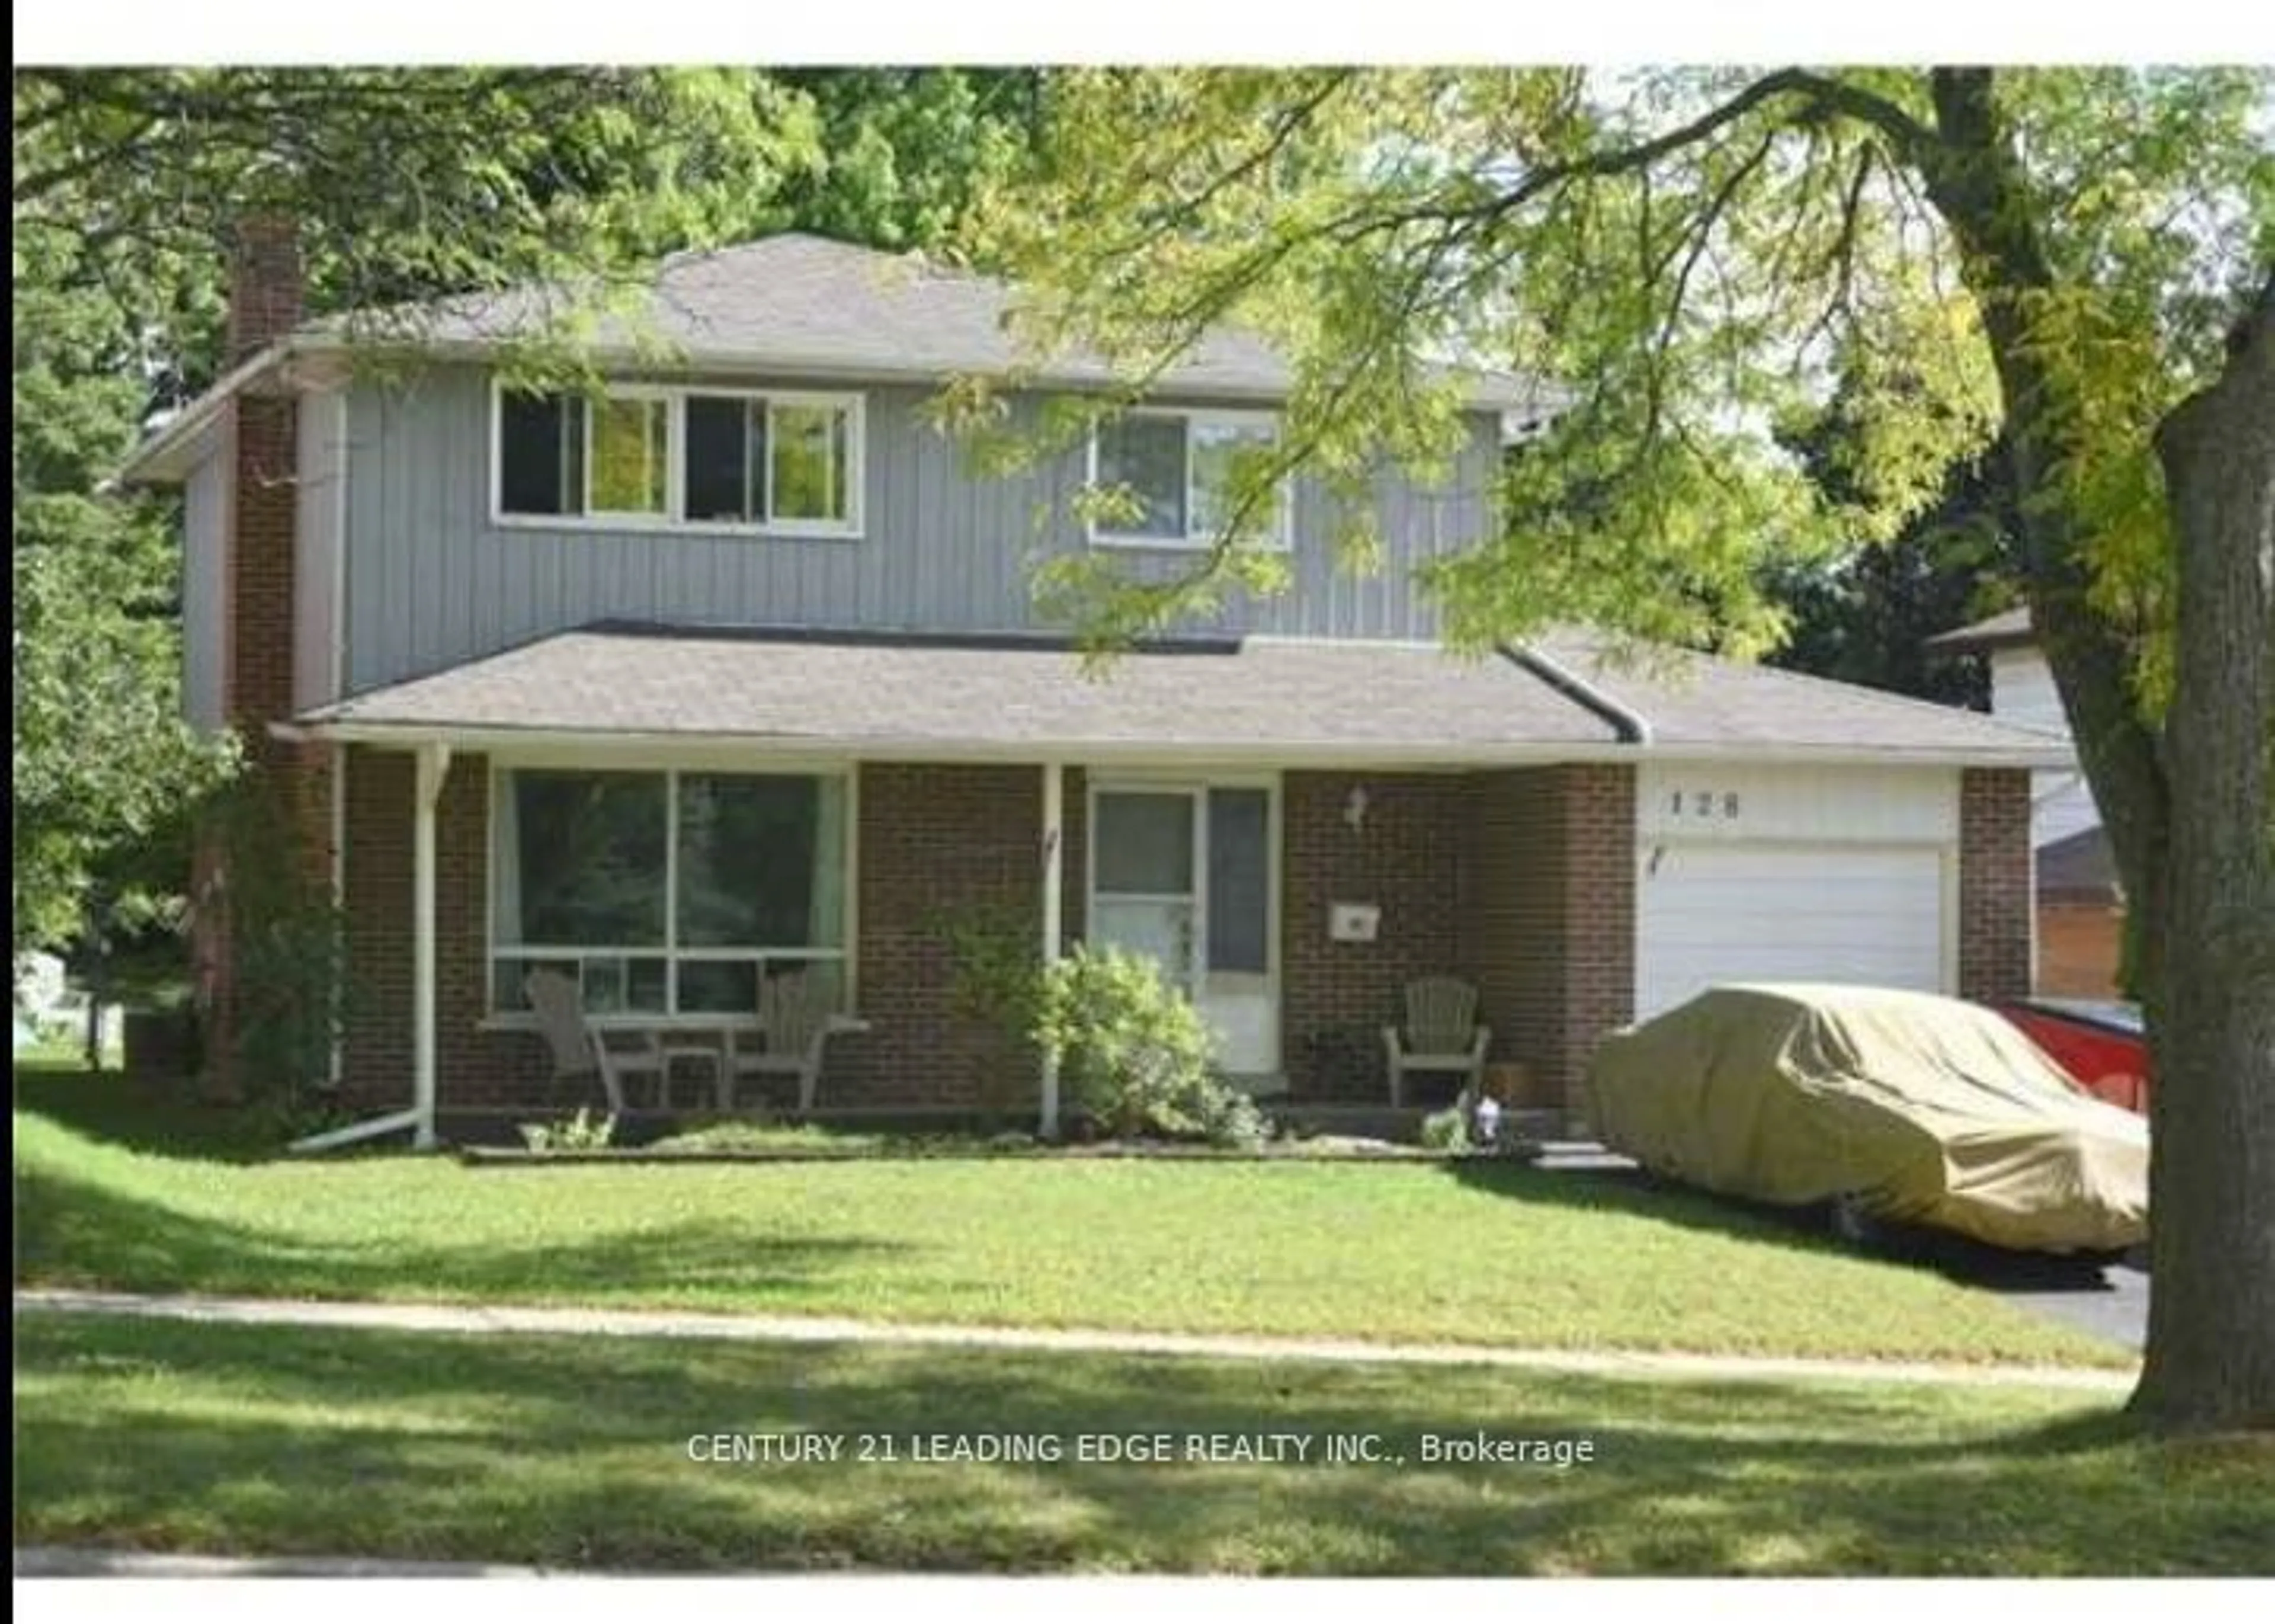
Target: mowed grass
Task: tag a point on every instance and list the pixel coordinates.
(1472, 1252)
(573, 1453)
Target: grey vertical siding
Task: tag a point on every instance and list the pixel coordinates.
(205, 585)
(431, 580)
(316, 547)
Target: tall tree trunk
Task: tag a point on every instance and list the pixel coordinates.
(2188, 812)
(1975, 177)
(2211, 1316)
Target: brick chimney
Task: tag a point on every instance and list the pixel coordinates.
(268, 295)
(267, 300)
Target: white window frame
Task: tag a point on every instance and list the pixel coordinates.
(844, 956)
(673, 518)
(1280, 539)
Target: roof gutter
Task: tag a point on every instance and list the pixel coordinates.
(1631, 724)
(148, 460)
(477, 739)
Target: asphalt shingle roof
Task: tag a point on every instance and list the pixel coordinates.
(2080, 867)
(1255, 697)
(807, 303)
(1695, 700)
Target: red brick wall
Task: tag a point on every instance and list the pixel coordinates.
(266, 292)
(1553, 915)
(937, 842)
(1518, 917)
(1409, 859)
(2080, 947)
(474, 1069)
(1599, 834)
(375, 885)
(1994, 884)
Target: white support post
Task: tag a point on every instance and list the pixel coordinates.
(1054, 911)
(337, 754)
(433, 765)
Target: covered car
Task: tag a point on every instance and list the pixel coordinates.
(1904, 1107)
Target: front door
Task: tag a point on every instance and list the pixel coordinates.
(1183, 874)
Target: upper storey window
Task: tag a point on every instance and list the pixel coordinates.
(773, 461)
(1172, 475)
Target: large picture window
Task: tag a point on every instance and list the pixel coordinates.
(782, 462)
(1173, 476)
(666, 893)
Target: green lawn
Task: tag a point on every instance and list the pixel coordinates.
(150, 1197)
(573, 1452)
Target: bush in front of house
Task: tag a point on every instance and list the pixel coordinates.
(1134, 1057)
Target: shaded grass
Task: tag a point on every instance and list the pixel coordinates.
(573, 1452)
(1484, 1252)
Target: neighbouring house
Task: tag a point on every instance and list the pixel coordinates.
(735, 670)
(2080, 906)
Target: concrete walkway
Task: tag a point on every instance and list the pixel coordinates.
(783, 1328)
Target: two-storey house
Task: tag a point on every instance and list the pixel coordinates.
(733, 671)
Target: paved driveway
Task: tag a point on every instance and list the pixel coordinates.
(2109, 1302)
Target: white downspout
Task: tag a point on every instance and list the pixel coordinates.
(433, 765)
(1053, 908)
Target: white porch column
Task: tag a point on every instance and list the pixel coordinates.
(1054, 911)
(433, 764)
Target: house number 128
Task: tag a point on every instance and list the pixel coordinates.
(1703, 803)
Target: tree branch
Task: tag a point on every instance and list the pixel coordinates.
(1824, 94)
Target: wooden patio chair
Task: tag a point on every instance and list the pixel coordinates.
(580, 1048)
(1440, 1034)
(795, 1013)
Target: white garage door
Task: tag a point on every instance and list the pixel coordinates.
(1765, 911)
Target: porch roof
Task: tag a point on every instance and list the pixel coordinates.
(1698, 702)
(1254, 699)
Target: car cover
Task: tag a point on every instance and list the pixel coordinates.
(1924, 1109)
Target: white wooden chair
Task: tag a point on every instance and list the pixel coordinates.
(795, 1014)
(1441, 1034)
(580, 1048)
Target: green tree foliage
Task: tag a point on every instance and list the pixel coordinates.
(404, 182)
(904, 152)
(1687, 252)
(2051, 262)
(102, 758)
(1864, 614)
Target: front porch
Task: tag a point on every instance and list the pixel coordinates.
(1518, 879)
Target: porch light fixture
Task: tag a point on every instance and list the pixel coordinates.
(1354, 809)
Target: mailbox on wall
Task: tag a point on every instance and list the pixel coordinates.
(1353, 921)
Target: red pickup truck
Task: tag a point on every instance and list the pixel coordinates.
(2101, 1045)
